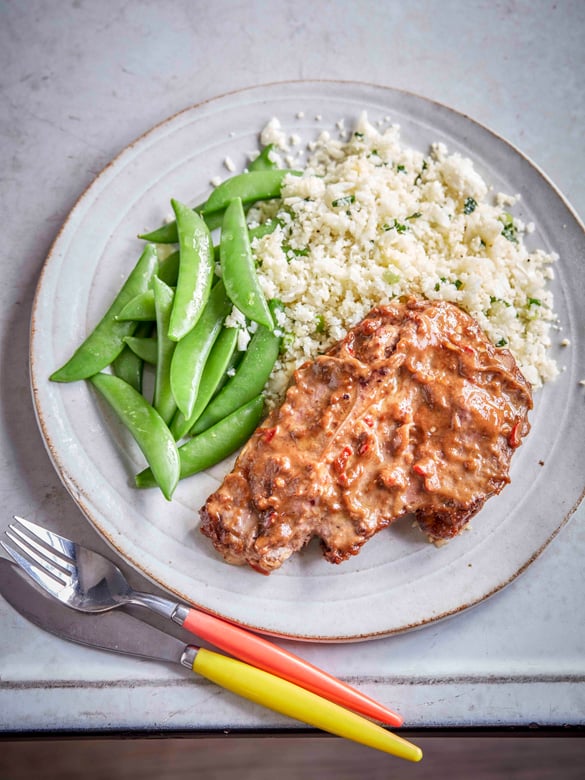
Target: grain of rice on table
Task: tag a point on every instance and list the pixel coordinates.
(370, 220)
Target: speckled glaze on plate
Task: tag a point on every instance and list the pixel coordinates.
(398, 581)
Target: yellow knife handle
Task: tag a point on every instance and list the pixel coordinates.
(289, 699)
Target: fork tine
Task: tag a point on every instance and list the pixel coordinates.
(40, 576)
(65, 546)
(52, 564)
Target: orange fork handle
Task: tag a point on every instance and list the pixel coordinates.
(274, 659)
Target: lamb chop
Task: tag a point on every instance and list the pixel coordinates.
(414, 412)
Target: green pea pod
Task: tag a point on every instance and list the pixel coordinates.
(168, 234)
(192, 351)
(143, 347)
(249, 187)
(212, 219)
(195, 271)
(106, 341)
(237, 267)
(163, 400)
(215, 368)
(232, 366)
(168, 269)
(129, 365)
(140, 308)
(146, 426)
(263, 161)
(248, 381)
(263, 230)
(215, 444)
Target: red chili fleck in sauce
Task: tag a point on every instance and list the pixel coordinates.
(369, 420)
(363, 448)
(268, 435)
(340, 461)
(514, 439)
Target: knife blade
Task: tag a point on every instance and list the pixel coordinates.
(113, 631)
(121, 633)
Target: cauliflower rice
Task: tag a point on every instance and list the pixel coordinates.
(370, 220)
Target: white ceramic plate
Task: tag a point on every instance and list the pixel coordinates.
(398, 581)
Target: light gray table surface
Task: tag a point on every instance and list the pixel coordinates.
(80, 80)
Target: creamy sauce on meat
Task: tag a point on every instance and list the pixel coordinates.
(414, 412)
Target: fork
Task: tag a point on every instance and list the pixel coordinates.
(89, 582)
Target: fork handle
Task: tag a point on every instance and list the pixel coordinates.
(274, 659)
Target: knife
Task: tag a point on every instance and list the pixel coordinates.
(120, 632)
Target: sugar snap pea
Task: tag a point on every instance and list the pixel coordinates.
(146, 426)
(248, 381)
(263, 162)
(163, 400)
(249, 187)
(143, 347)
(195, 271)
(168, 234)
(263, 230)
(168, 269)
(129, 365)
(140, 308)
(192, 351)
(106, 341)
(232, 366)
(213, 372)
(165, 234)
(237, 267)
(203, 451)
